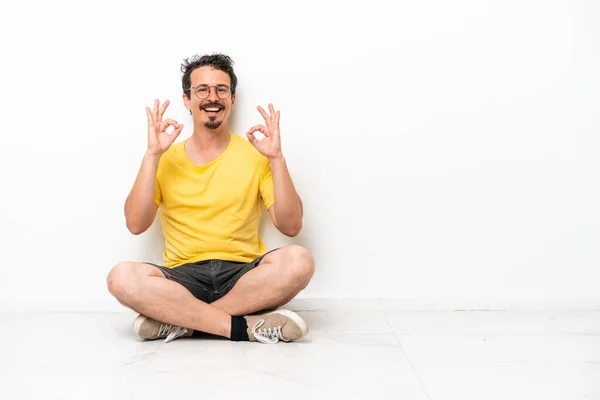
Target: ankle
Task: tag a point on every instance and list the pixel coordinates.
(239, 329)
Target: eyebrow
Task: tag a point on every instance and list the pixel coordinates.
(206, 84)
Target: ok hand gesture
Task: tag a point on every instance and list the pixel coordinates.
(158, 138)
(270, 145)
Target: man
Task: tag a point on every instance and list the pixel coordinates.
(210, 190)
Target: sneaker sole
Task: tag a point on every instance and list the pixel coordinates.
(294, 317)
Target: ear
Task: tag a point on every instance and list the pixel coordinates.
(233, 101)
(186, 102)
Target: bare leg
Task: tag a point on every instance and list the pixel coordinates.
(145, 289)
(275, 281)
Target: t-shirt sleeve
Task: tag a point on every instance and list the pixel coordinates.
(267, 193)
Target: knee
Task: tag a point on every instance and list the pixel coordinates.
(121, 281)
(302, 265)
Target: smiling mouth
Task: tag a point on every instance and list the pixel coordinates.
(212, 109)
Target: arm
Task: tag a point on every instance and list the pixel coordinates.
(140, 208)
(287, 210)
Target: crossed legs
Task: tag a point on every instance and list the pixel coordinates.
(278, 278)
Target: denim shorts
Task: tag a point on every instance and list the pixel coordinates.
(209, 280)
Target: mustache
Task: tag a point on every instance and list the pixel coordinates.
(212, 105)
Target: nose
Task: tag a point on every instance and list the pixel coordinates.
(212, 95)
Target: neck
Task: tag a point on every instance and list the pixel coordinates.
(205, 139)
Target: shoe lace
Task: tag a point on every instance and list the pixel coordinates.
(267, 335)
(171, 331)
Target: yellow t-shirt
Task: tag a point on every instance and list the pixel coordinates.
(213, 211)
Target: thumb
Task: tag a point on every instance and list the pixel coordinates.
(251, 138)
(176, 132)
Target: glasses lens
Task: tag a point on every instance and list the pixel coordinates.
(222, 91)
(202, 92)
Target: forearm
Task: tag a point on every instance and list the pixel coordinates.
(288, 206)
(140, 208)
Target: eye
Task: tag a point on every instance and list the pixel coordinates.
(202, 89)
(222, 89)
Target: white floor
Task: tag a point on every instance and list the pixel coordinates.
(363, 355)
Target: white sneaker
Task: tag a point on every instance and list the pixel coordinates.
(150, 329)
(284, 325)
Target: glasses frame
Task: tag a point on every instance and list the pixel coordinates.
(195, 88)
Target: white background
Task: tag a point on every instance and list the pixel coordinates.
(443, 150)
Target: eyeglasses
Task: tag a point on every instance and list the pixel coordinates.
(203, 91)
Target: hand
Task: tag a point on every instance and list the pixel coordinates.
(270, 145)
(158, 138)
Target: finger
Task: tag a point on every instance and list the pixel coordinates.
(264, 114)
(150, 120)
(277, 120)
(260, 128)
(155, 110)
(272, 112)
(162, 110)
(171, 122)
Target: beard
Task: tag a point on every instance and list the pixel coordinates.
(212, 124)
